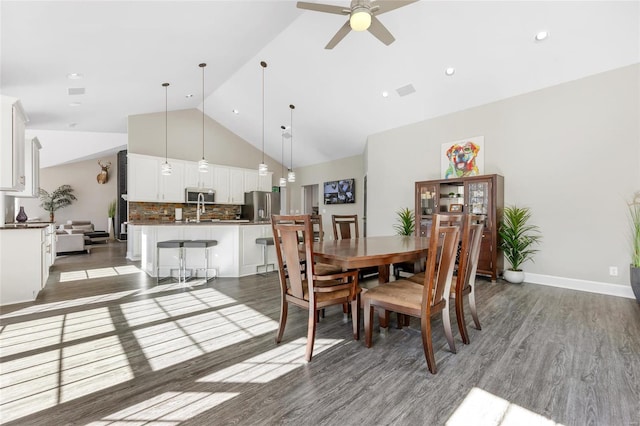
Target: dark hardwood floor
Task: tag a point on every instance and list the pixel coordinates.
(104, 345)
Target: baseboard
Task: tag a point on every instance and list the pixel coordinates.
(581, 285)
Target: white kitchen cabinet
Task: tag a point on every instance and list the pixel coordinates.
(134, 243)
(254, 182)
(194, 179)
(146, 183)
(24, 263)
(222, 177)
(31, 189)
(12, 143)
(265, 182)
(236, 186)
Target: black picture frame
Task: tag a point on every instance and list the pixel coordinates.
(340, 191)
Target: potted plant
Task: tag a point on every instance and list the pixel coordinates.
(111, 213)
(634, 272)
(517, 240)
(406, 222)
(61, 197)
(405, 226)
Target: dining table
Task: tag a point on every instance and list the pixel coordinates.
(379, 251)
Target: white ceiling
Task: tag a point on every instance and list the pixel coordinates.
(127, 49)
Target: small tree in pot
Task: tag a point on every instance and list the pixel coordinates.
(634, 215)
(517, 240)
(405, 226)
(61, 197)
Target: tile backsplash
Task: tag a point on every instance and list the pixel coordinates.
(165, 212)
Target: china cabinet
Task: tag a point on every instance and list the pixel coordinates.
(479, 195)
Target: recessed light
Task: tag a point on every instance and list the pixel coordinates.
(74, 76)
(450, 71)
(235, 111)
(75, 104)
(385, 94)
(189, 96)
(542, 35)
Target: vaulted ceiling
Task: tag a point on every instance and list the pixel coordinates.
(125, 50)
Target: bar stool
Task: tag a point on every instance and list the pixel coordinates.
(203, 244)
(265, 242)
(172, 244)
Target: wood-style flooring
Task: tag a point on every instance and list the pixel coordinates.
(103, 345)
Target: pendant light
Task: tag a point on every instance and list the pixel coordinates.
(165, 169)
(283, 180)
(203, 164)
(263, 169)
(292, 175)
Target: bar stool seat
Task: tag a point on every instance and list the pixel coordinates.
(172, 244)
(265, 242)
(203, 244)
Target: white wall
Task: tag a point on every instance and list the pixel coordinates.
(570, 152)
(346, 168)
(92, 198)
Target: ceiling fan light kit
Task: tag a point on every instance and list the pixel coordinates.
(362, 17)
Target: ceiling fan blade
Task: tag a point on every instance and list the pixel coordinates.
(380, 31)
(339, 10)
(342, 32)
(389, 5)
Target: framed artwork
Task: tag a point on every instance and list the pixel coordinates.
(340, 191)
(462, 158)
(455, 208)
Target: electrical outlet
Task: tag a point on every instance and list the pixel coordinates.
(613, 271)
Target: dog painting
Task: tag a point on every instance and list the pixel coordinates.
(463, 158)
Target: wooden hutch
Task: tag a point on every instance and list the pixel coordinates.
(476, 194)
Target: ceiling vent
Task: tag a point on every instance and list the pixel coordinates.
(76, 90)
(406, 90)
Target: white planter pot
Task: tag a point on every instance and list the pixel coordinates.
(514, 277)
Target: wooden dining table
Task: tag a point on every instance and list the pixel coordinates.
(372, 251)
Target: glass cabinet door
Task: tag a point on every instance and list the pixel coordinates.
(426, 206)
(479, 193)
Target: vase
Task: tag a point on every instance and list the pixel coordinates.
(634, 275)
(514, 277)
(22, 216)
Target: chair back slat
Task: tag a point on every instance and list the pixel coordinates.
(439, 268)
(287, 233)
(345, 227)
(475, 240)
(316, 224)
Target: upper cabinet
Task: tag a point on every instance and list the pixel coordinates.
(254, 182)
(479, 195)
(229, 185)
(12, 144)
(145, 181)
(32, 169)
(193, 178)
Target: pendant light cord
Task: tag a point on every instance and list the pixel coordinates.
(166, 89)
(202, 66)
(292, 107)
(263, 65)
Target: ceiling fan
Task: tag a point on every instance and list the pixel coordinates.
(362, 17)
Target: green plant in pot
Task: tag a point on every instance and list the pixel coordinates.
(634, 216)
(111, 213)
(59, 198)
(517, 239)
(406, 222)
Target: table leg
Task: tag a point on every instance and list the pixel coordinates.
(383, 274)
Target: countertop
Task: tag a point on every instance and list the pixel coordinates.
(31, 225)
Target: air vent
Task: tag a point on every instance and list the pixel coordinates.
(76, 91)
(406, 90)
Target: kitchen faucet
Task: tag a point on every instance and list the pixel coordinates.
(200, 197)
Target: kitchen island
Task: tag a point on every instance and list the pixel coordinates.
(235, 255)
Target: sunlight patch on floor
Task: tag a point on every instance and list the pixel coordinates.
(174, 342)
(167, 409)
(481, 408)
(34, 383)
(270, 365)
(98, 273)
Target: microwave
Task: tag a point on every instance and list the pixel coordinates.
(191, 195)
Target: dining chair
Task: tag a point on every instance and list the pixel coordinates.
(345, 227)
(465, 275)
(300, 286)
(422, 301)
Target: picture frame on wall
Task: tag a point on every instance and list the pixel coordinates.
(462, 158)
(340, 192)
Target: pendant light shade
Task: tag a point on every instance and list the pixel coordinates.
(283, 180)
(263, 169)
(203, 164)
(291, 176)
(165, 169)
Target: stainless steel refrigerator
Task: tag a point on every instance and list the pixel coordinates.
(260, 205)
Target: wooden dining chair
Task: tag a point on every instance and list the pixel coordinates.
(422, 301)
(345, 227)
(299, 285)
(463, 280)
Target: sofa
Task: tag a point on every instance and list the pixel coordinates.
(79, 235)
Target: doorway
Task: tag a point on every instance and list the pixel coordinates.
(310, 199)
